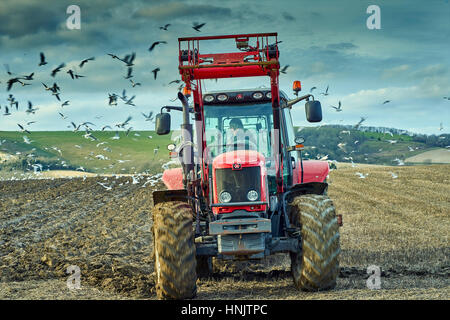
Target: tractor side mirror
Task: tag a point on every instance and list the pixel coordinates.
(162, 124)
(313, 111)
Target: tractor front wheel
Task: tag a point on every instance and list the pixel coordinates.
(316, 267)
(174, 251)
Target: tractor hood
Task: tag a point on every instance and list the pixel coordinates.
(238, 159)
(239, 181)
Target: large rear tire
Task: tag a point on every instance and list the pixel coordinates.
(315, 268)
(174, 251)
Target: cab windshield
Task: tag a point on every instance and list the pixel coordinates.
(233, 127)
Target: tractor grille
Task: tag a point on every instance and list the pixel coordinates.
(239, 182)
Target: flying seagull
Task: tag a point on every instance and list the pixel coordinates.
(7, 113)
(154, 44)
(129, 73)
(56, 70)
(112, 99)
(148, 117)
(30, 77)
(165, 26)
(326, 92)
(134, 84)
(128, 59)
(85, 61)
(114, 56)
(155, 72)
(30, 108)
(22, 129)
(11, 82)
(43, 62)
(284, 69)
(196, 26)
(338, 108)
(360, 122)
(130, 101)
(123, 124)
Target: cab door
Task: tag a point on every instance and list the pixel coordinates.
(291, 159)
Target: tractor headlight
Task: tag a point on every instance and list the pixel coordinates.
(269, 95)
(208, 98)
(252, 195)
(257, 95)
(224, 197)
(222, 97)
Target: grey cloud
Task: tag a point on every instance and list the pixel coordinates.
(341, 46)
(288, 17)
(22, 18)
(178, 9)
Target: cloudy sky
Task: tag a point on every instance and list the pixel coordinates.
(406, 61)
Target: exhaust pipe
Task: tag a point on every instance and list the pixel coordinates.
(186, 134)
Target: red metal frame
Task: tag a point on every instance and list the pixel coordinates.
(253, 62)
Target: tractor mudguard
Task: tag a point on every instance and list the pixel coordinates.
(173, 178)
(306, 188)
(170, 195)
(313, 171)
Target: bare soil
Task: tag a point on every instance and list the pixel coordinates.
(399, 224)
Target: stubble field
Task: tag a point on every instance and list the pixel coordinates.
(397, 218)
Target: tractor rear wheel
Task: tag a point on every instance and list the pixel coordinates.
(174, 251)
(316, 267)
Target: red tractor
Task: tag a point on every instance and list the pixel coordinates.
(243, 191)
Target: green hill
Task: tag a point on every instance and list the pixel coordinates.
(343, 144)
(70, 150)
(67, 150)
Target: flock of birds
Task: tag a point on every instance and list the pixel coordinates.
(13, 105)
(128, 61)
(357, 126)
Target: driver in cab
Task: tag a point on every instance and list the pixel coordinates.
(239, 138)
